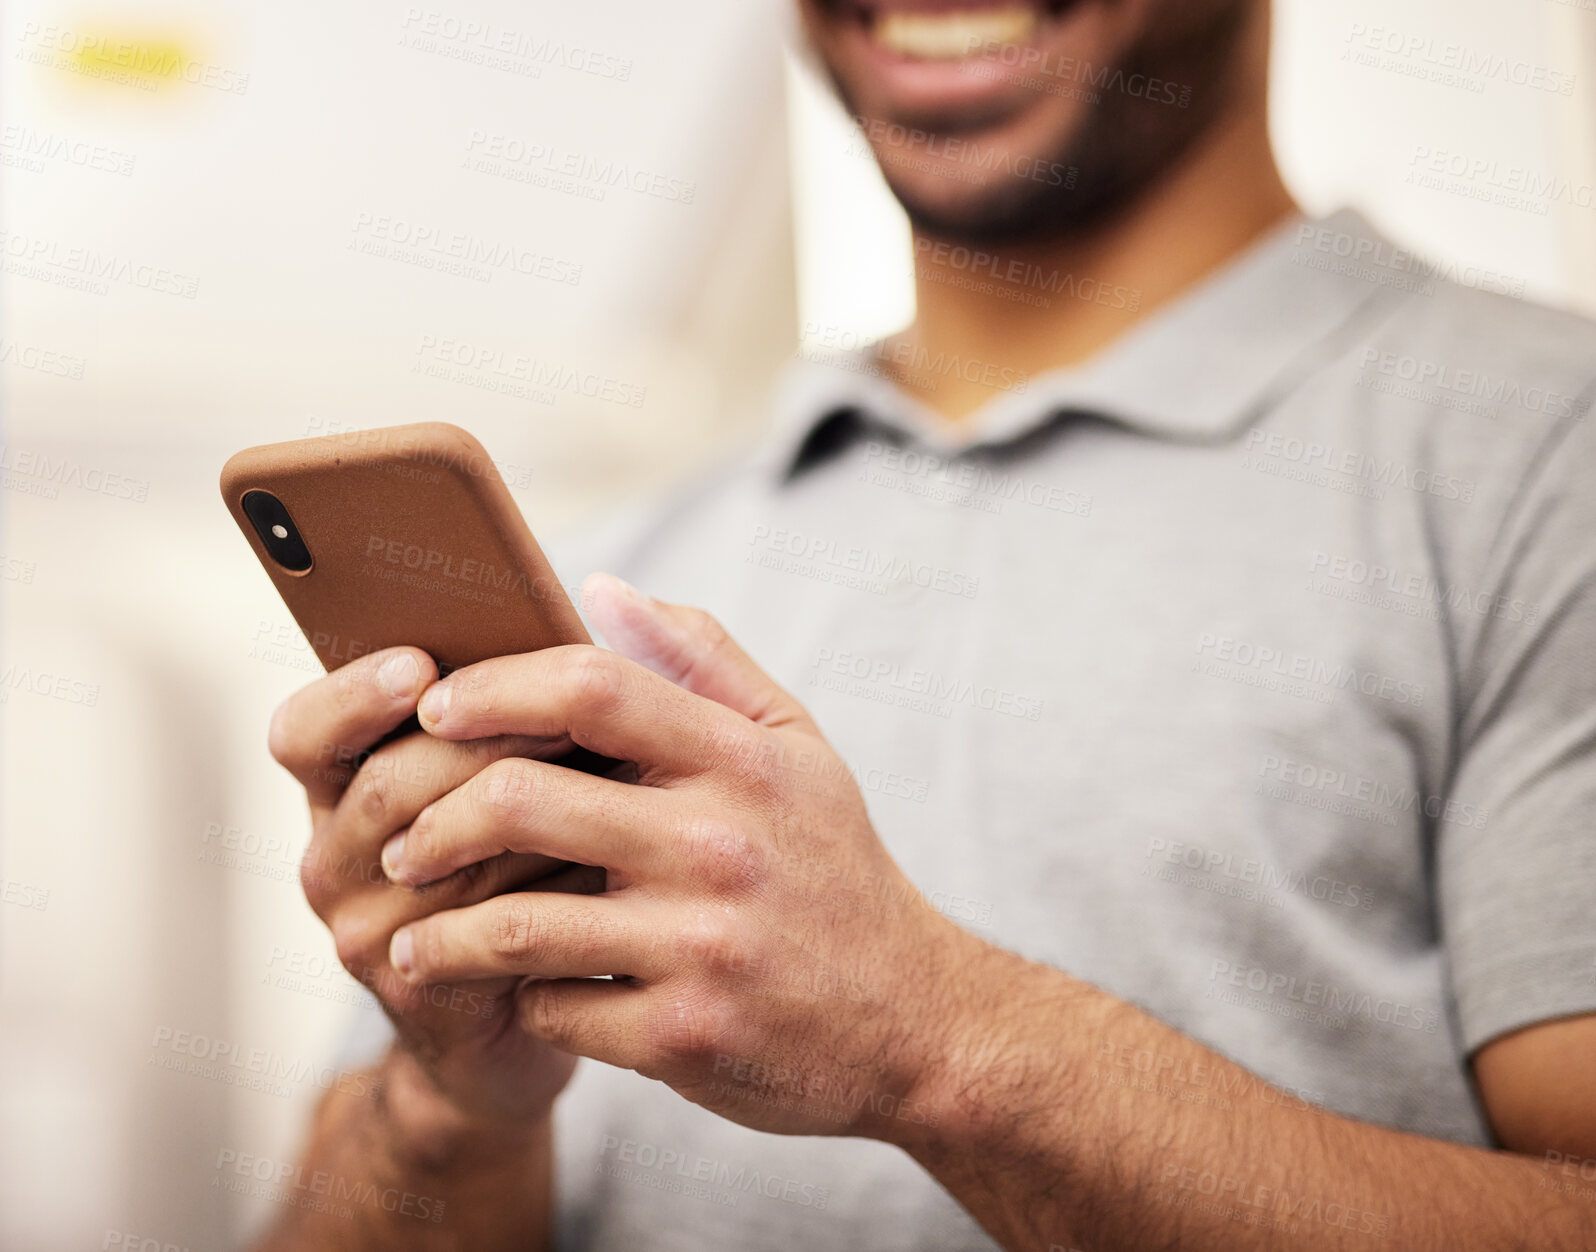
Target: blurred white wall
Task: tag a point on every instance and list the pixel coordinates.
(1375, 104)
(192, 267)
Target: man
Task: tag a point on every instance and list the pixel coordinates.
(1198, 853)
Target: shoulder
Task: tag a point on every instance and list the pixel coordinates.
(1475, 386)
(1495, 392)
(1467, 352)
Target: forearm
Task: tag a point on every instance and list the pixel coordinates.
(398, 1170)
(1048, 1134)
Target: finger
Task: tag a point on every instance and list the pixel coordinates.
(319, 732)
(397, 783)
(690, 648)
(597, 1018)
(542, 934)
(530, 806)
(605, 702)
(404, 777)
(363, 930)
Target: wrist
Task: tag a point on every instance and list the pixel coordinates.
(427, 1131)
(949, 1020)
(990, 1062)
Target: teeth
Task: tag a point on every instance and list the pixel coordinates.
(949, 34)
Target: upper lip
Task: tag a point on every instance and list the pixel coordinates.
(870, 8)
(866, 11)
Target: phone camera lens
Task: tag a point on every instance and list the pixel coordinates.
(277, 531)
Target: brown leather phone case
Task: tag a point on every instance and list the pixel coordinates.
(408, 536)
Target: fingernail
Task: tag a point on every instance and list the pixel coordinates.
(434, 704)
(626, 587)
(391, 852)
(397, 675)
(402, 951)
(621, 585)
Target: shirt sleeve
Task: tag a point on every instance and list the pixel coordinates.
(1516, 844)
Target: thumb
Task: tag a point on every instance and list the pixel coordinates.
(689, 647)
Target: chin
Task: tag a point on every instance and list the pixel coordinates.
(1011, 182)
(997, 120)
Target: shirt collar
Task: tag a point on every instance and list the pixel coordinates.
(1200, 368)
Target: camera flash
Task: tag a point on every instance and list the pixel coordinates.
(280, 531)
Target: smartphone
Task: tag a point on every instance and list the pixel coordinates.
(398, 535)
(402, 535)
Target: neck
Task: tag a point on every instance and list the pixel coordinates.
(1090, 288)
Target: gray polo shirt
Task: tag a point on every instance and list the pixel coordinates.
(1245, 672)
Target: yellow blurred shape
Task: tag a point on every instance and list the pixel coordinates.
(150, 59)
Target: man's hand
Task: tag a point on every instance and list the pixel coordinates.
(461, 1115)
(770, 960)
(460, 1062)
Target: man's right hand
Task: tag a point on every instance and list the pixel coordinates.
(461, 1071)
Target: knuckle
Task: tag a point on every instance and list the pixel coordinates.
(708, 628)
(597, 679)
(350, 688)
(723, 854)
(479, 695)
(421, 838)
(353, 937)
(504, 788)
(517, 930)
(283, 740)
(688, 1028)
(545, 1013)
(373, 795)
(319, 885)
(374, 790)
